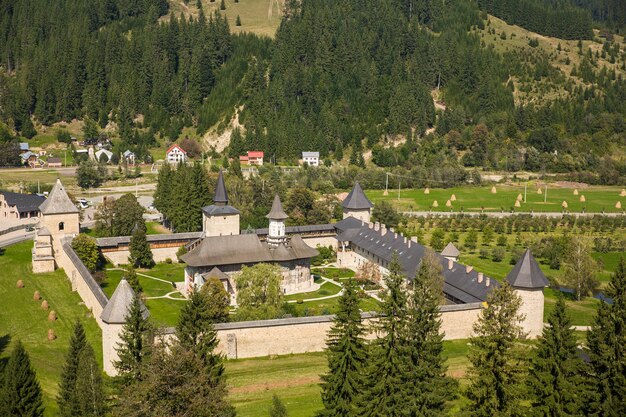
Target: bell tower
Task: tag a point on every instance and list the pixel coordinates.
(357, 205)
(220, 219)
(277, 217)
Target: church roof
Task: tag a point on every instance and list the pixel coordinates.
(23, 202)
(58, 201)
(277, 212)
(215, 273)
(116, 310)
(526, 273)
(221, 196)
(450, 250)
(356, 199)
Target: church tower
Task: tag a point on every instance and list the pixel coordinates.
(529, 281)
(277, 217)
(357, 205)
(220, 219)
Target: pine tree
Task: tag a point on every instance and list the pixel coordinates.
(385, 394)
(140, 253)
(66, 399)
(90, 395)
(278, 408)
(21, 393)
(607, 351)
(131, 277)
(494, 369)
(429, 387)
(555, 378)
(238, 21)
(347, 355)
(134, 346)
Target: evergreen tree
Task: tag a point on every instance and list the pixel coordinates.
(278, 408)
(21, 393)
(346, 353)
(555, 378)
(426, 382)
(494, 370)
(90, 394)
(385, 394)
(140, 253)
(607, 351)
(131, 277)
(218, 300)
(134, 346)
(68, 390)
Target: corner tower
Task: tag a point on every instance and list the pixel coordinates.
(220, 219)
(529, 281)
(277, 217)
(59, 214)
(357, 205)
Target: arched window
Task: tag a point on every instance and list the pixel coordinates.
(61, 226)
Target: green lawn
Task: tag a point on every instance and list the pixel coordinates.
(608, 262)
(333, 273)
(326, 289)
(22, 318)
(471, 199)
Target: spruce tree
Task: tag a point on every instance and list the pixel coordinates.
(278, 408)
(21, 393)
(89, 395)
(66, 399)
(607, 351)
(555, 380)
(494, 370)
(347, 355)
(140, 253)
(131, 277)
(385, 394)
(429, 387)
(133, 349)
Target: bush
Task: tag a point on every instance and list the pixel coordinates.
(483, 253)
(497, 254)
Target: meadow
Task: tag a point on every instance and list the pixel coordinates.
(598, 199)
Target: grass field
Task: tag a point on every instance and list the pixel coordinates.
(23, 318)
(475, 199)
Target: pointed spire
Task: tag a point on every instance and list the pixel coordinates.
(58, 201)
(277, 212)
(357, 200)
(221, 196)
(450, 251)
(117, 308)
(527, 273)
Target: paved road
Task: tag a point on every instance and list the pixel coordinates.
(15, 237)
(505, 214)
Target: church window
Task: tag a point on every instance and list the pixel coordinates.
(61, 226)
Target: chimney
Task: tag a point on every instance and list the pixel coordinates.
(377, 226)
(450, 263)
(406, 239)
(414, 239)
(468, 269)
(409, 243)
(487, 281)
(370, 225)
(383, 229)
(480, 277)
(391, 230)
(395, 235)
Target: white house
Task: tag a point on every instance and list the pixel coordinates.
(175, 154)
(129, 157)
(311, 158)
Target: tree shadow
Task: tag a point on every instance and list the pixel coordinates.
(4, 342)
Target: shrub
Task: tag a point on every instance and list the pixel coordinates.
(483, 253)
(498, 254)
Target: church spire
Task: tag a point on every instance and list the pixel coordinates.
(277, 212)
(221, 197)
(277, 216)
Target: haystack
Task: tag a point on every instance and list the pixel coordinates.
(448, 203)
(618, 205)
(582, 198)
(52, 316)
(51, 335)
(19, 284)
(44, 305)
(435, 204)
(453, 197)
(623, 193)
(517, 203)
(493, 190)
(564, 204)
(426, 190)
(36, 296)
(576, 192)
(539, 191)
(519, 197)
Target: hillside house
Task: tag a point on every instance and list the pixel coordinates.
(252, 158)
(54, 163)
(129, 157)
(312, 159)
(175, 154)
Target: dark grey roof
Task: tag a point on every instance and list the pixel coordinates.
(450, 250)
(243, 249)
(309, 228)
(357, 200)
(94, 287)
(124, 240)
(23, 202)
(116, 310)
(58, 201)
(459, 284)
(214, 210)
(54, 160)
(44, 232)
(526, 273)
(277, 212)
(221, 196)
(215, 273)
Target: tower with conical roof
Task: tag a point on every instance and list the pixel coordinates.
(529, 281)
(59, 214)
(357, 205)
(220, 219)
(277, 217)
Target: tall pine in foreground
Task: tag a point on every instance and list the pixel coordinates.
(494, 370)
(278, 408)
(556, 381)
(429, 387)
(21, 393)
(90, 394)
(346, 355)
(66, 399)
(607, 351)
(385, 394)
(140, 253)
(134, 346)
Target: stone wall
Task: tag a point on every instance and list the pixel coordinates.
(120, 257)
(313, 241)
(220, 225)
(532, 309)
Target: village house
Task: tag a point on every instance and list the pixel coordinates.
(175, 154)
(129, 157)
(16, 206)
(311, 158)
(252, 158)
(54, 163)
(31, 159)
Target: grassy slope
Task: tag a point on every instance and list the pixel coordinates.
(22, 318)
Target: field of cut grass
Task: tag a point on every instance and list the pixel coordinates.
(22, 318)
(476, 199)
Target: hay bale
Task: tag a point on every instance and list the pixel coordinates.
(435, 204)
(519, 197)
(564, 204)
(539, 191)
(517, 203)
(493, 190)
(618, 205)
(623, 193)
(19, 284)
(51, 335)
(582, 198)
(44, 305)
(385, 192)
(576, 192)
(426, 190)
(52, 316)
(36, 296)
(453, 197)
(448, 203)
